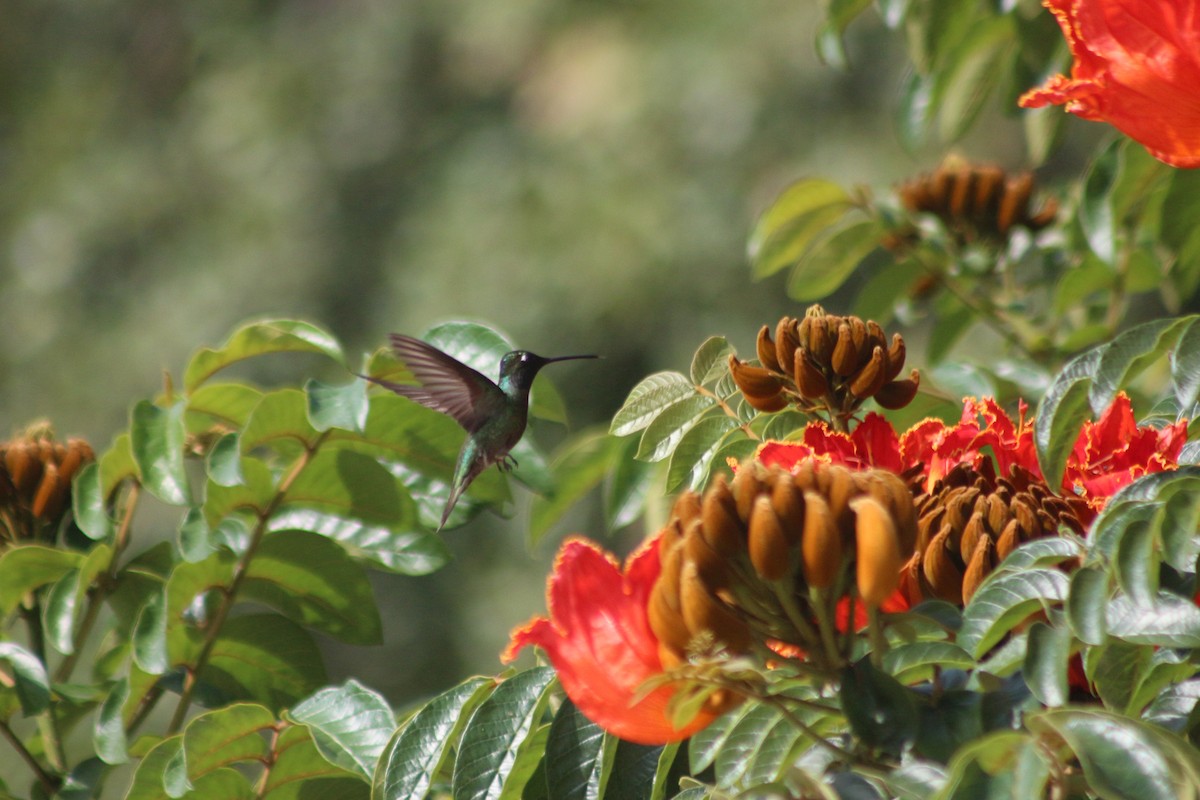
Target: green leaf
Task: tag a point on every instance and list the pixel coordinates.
(692, 457)
(228, 404)
(1003, 601)
(417, 751)
(117, 465)
(634, 770)
(30, 680)
(879, 709)
(254, 493)
(1137, 563)
(1096, 215)
(313, 581)
(578, 468)
(662, 436)
(344, 482)
(257, 339)
(108, 735)
(649, 399)
(745, 740)
(68, 595)
(1124, 758)
(786, 229)
(157, 437)
(496, 736)
(711, 360)
(628, 486)
(300, 772)
(1185, 364)
(224, 462)
(1116, 670)
(27, 567)
(1170, 621)
(265, 658)
(838, 16)
(150, 634)
(410, 552)
(1061, 414)
(280, 418)
(342, 406)
(574, 756)
(968, 75)
(1127, 355)
(88, 504)
(1046, 663)
(195, 537)
(918, 660)
(827, 265)
(987, 767)
(350, 725)
(226, 736)
(1086, 602)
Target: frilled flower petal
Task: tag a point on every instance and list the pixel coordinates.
(983, 428)
(1113, 452)
(872, 443)
(598, 639)
(1137, 67)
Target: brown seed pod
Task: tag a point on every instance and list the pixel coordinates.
(844, 358)
(895, 395)
(789, 507)
(686, 507)
(896, 353)
(786, 341)
(766, 349)
(702, 612)
(941, 573)
(713, 567)
(1010, 539)
(983, 561)
(666, 620)
(810, 380)
(768, 544)
(24, 467)
(821, 543)
(762, 388)
(50, 493)
(877, 560)
(747, 485)
(869, 379)
(821, 339)
(722, 529)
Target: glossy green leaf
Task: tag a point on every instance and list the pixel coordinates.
(788, 227)
(1137, 563)
(918, 660)
(1003, 601)
(831, 259)
(255, 493)
(1173, 708)
(574, 756)
(578, 468)
(711, 360)
(350, 725)
(1170, 501)
(706, 744)
(195, 537)
(117, 465)
(496, 736)
(229, 404)
(968, 75)
(1185, 364)
(108, 734)
(343, 406)
(224, 461)
(1096, 215)
(27, 567)
(299, 772)
(315, 583)
(1048, 552)
(88, 504)
(648, 399)
(634, 770)
(776, 753)
(1115, 671)
(628, 486)
(746, 739)
(1046, 663)
(29, 676)
(1061, 414)
(341, 481)
(408, 552)
(838, 16)
(157, 438)
(1171, 621)
(1086, 603)
(1167, 667)
(691, 459)
(257, 339)
(226, 736)
(58, 613)
(986, 767)
(1128, 354)
(1124, 758)
(149, 638)
(280, 418)
(417, 751)
(265, 658)
(663, 435)
(880, 710)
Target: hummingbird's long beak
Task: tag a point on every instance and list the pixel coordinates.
(568, 358)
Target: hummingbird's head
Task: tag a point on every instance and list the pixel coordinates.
(520, 367)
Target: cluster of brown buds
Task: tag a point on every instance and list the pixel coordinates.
(763, 560)
(977, 201)
(971, 520)
(825, 363)
(35, 481)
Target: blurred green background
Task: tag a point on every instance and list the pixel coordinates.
(580, 174)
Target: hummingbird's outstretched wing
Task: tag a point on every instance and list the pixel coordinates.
(446, 384)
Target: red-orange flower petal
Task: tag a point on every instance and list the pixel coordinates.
(598, 639)
(1137, 67)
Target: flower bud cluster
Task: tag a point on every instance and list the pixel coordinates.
(35, 480)
(970, 521)
(977, 201)
(824, 362)
(748, 561)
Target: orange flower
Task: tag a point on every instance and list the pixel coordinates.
(872, 443)
(1113, 452)
(1137, 67)
(599, 640)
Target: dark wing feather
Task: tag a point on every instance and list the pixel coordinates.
(447, 384)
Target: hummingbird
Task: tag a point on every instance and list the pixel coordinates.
(494, 415)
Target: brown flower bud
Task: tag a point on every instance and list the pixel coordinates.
(983, 561)
(820, 339)
(821, 544)
(844, 358)
(712, 566)
(786, 342)
(47, 501)
(810, 380)
(789, 506)
(878, 553)
(895, 395)
(766, 349)
(762, 388)
(768, 544)
(703, 612)
(24, 467)
(722, 529)
(869, 379)
(942, 574)
(896, 353)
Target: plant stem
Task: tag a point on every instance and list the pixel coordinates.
(729, 412)
(47, 723)
(49, 783)
(230, 592)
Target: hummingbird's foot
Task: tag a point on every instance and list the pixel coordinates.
(507, 463)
